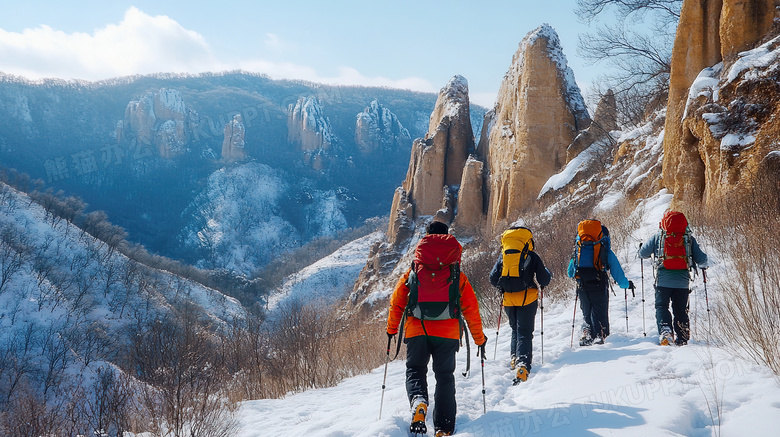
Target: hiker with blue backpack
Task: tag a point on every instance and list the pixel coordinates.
(676, 253)
(591, 260)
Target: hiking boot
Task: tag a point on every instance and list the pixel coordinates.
(419, 410)
(522, 375)
(598, 340)
(586, 340)
(666, 338)
(680, 342)
(441, 432)
(513, 362)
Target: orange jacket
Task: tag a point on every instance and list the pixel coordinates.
(449, 328)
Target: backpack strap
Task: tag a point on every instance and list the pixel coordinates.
(603, 253)
(455, 287)
(413, 283)
(465, 332)
(400, 336)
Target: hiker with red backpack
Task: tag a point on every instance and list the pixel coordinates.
(434, 297)
(514, 273)
(676, 253)
(591, 260)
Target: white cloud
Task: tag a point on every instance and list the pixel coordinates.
(486, 100)
(142, 44)
(139, 44)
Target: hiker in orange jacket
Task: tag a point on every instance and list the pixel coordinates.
(437, 339)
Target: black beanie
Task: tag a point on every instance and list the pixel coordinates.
(437, 228)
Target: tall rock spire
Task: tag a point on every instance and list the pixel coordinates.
(437, 160)
(538, 113)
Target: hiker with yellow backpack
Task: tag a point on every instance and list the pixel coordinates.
(589, 263)
(514, 273)
(676, 253)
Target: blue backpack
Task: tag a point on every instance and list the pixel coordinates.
(590, 253)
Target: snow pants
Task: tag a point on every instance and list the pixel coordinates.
(419, 350)
(521, 320)
(594, 304)
(679, 299)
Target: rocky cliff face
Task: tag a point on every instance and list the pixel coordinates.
(377, 128)
(437, 161)
(604, 122)
(233, 142)
(708, 33)
(538, 113)
(160, 119)
(470, 217)
(310, 130)
(731, 126)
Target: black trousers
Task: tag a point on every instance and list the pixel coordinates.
(419, 350)
(594, 304)
(679, 299)
(521, 320)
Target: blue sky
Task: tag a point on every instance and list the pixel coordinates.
(403, 43)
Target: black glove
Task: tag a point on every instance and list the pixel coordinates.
(632, 287)
(389, 340)
(481, 349)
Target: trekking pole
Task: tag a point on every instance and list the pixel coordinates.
(642, 269)
(574, 316)
(541, 303)
(500, 310)
(384, 380)
(484, 404)
(707, 303)
(625, 295)
(695, 315)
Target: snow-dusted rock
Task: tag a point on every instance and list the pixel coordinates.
(470, 216)
(604, 122)
(310, 130)
(706, 35)
(437, 162)
(438, 159)
(233, 142)
(538, 113)
(377, 128)
(160, 119)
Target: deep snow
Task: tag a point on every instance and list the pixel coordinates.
(628, 386)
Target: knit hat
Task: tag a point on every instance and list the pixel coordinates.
(437, 228)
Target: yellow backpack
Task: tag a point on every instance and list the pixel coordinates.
(515, 247)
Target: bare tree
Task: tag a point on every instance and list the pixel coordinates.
(14, 251)
(636, 48)
(185, 375)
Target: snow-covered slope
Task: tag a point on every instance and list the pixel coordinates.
(236, 220)
(68, 301)
(328, 279)
(628, 387)
(242, 218)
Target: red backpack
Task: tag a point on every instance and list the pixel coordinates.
(674, 251)
(434, 282)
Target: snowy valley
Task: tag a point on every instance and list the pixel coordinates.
(276, 221)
